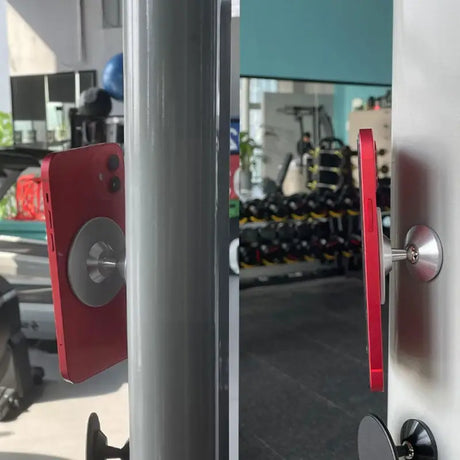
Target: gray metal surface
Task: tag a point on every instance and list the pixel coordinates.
(222, 235)
(424, 341)
(170, 50)
(96, 241)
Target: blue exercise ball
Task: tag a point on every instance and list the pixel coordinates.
(112, 77)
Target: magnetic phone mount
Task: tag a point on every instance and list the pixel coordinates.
(422, 250)
(96, 263)
(422, 247)
(375, 441)
(96, 443)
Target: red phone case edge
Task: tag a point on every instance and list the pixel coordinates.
(45, 172)
(368, 173)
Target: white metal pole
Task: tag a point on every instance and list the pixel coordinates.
(244, 103)
(171, 50)
(424, 342)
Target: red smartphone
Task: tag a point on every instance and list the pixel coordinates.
(83, 194)
(371, 255)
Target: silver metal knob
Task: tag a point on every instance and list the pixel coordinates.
(422, 252)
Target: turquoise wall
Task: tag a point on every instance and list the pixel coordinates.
(323, 40)
(343, 97)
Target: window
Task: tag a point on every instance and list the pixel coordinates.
(235, 8)
(251, 97)
(112, 14)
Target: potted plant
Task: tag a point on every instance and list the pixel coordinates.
(247, 147)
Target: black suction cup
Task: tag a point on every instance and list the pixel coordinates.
(419, 436)
(96, 443)
(375, 441)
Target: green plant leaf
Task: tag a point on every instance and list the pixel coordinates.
(6, 129)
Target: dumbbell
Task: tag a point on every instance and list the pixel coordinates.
(334, 246)
(316, 204)
(303, 251)
(268, 234)
(332, 203)
(244, 213)
(303, 231)
(269, 246)
(271, 254)
(249, 237)
(322, 229)
(317, 246)
(297, 206)
(286, 232)
(248, 256)
(349, 200)
(277, 209)
(289, 250)
(257, 210)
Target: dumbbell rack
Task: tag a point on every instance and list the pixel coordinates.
(334, 252)
(313, 268)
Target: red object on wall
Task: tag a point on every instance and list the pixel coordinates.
(370, 237)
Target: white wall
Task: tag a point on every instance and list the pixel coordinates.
(48, 36)
(5, 101)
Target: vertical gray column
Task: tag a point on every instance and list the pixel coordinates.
(223, 225)
(424, 343)
(171, 51)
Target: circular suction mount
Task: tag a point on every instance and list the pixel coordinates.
(96, 443)
(95, 438)
(416, 434)
(96, 262)
(375, 441)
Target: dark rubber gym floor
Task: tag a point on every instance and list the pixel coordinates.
(303, 370)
